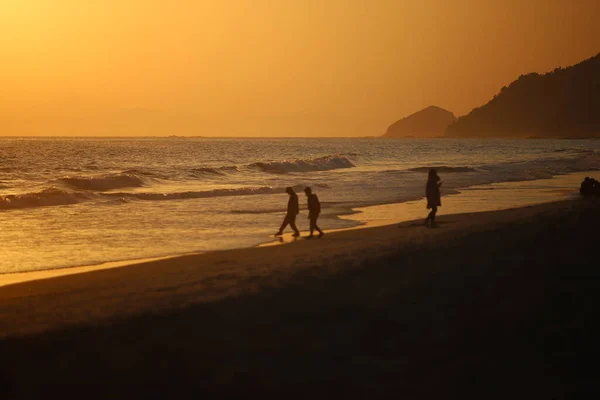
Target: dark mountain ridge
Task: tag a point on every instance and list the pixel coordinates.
(562, 103)
(429, 122)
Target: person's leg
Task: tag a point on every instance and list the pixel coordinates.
(433, 213)
(293, 225)
(313, 223)
(317, 226)
(285, 223)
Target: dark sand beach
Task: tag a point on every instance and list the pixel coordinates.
(496, 304)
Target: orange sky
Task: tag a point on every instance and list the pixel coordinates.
(270, 67)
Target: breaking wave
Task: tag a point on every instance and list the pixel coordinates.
(444, 169)
(216, 171)
(140, 172)
(550, 166)
(43, 198)
(57, 197)
(575, 151)
(326, 163)
(245, 191)
(103, 183)
(200, 194)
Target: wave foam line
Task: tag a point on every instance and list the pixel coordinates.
(43, 198)
(325, 163)
(103, 183)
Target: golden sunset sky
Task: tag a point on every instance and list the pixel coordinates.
(270, 68)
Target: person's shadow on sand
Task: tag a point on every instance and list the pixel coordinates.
(312, 237)
(418, 224)
(291, 240)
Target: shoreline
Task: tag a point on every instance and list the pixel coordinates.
(486, 305)
(365, 217)
(179, 282)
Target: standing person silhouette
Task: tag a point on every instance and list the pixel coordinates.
(314, 209)
(432, 192)
(293, 209)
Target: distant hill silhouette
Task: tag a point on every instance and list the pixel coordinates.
(432, 121)
(562, 103)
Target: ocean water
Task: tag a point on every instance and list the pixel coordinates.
(78, 201)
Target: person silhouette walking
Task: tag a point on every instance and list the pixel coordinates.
(432, 192)
(293, 209)
(314, 209)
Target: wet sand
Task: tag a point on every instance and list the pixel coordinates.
(490, 304)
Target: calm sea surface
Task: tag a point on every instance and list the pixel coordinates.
(69, 202)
